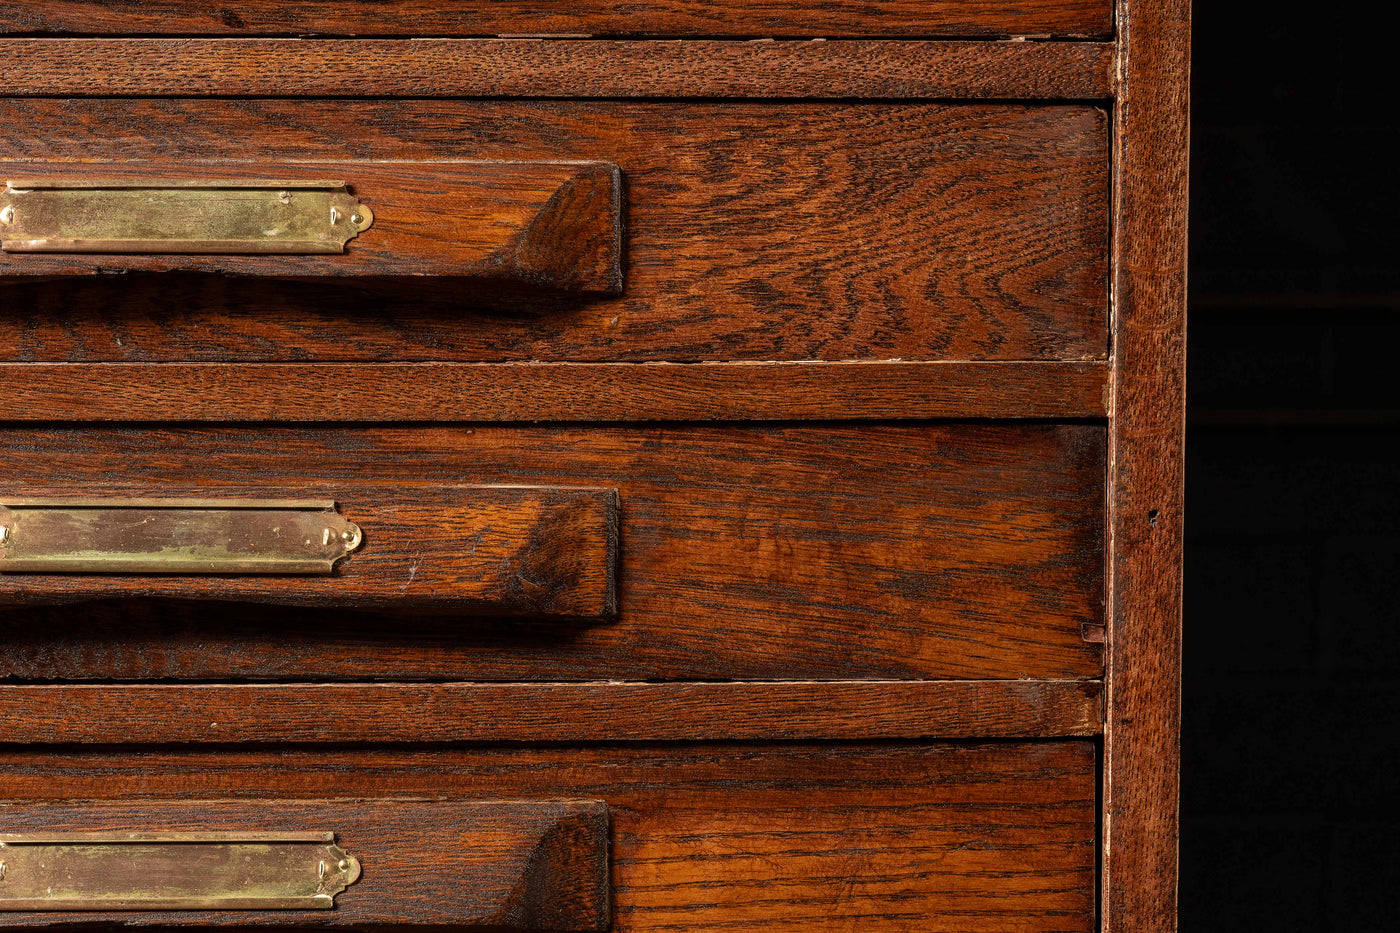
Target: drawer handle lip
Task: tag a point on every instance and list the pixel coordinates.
(247, 871)
(179, 216)
(80, 183)
(174, 536)
(75, 838)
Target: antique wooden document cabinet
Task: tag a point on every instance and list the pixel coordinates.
(571, 465)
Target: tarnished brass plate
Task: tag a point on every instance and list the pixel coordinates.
(185, 536)
(123, 215)
(179, 871)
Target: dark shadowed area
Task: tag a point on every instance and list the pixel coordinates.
(1292, 667)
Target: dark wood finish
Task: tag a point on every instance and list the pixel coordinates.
(754, 232)
(960, 220)
(1142, 752)
(488, 864)
(529, 68)
(550, 391)
(551, 225)
(954, 838)
(610, 712)
(883, 18)
(773, 552)
(542, 552)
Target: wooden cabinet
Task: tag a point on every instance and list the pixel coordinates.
(573, 466)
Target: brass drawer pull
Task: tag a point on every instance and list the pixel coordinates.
(544, 552)
(123, 215)
(173, 871)
(551, 226)
(429, 865)
(186, 536)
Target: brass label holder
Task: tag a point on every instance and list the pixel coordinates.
(173, 871)
(176, 536)
(126, 215)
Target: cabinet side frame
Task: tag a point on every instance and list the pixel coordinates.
(1145, 484)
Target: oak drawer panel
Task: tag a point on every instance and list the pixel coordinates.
(572, 18)
(913, 550)
(884, 837)
(750, 231)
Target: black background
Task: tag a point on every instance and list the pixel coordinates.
(1291, 738)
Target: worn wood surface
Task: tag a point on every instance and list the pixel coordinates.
(586, 712)
(539, 225)
(748, 551)
(550, 391)
(503, 865)
(578, 69)
(908, 838)
(884, 18)
(753, 232)
(540, 552)
(1142, 753)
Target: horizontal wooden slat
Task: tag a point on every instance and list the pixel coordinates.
(503, 865)
(535, 68)
(887, 18)
(549, 391)
(946, 837)
(585, 712)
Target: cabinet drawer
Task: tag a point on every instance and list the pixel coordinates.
(739, 18)
(747, 231)
(933, 837)
(910, 550)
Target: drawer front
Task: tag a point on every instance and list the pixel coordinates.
(748, 231)
(914, 550)
(739, 18)
(787, 837)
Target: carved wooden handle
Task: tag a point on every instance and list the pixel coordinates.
(538, 865)
(538, 551)
(550, 225)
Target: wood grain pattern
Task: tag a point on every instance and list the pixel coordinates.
(592, 712)
(1142, 746)
(884, 18)
(949, 838)
(754, 232)
(748, 551)
(541, 552)
(548, 225)
(503, 865)
(549, 391)
(529, 68)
